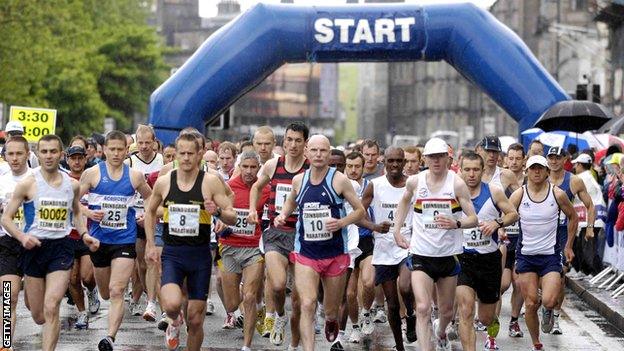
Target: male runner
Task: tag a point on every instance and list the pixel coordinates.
(146, 161)
(16, 151)
(321, 238)
(515, 162)
(190, 197)
(370, 151)
(538, 254)
(112, 186)
(383, 194)
(492, 174)
(363, 267)
(240, 255)
(338, 160)
(279, 240)
(481, 271)
(573, 186)
(412, 160)
(440, 196)
(49, 197)
(82, 271)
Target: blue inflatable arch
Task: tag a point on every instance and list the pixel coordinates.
(241, 54)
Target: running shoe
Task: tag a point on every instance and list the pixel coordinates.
(94, 300)
(478, 326)
(269, 321)
(164, 322)
(548, 320)
(240, 322)
(83, 320)
(451, 331)
(331, 330)
(537, 347)
(380, 316)
(490, 344)
(317, 325)
(441, 343)
(260, 319)
(410, 330)
(277, 334)
(150, 311)
(230, 321)
(134, 308)
(493, 328)
(367, 325)
(336, 346)
(556, 329)
(209, 307)
(106, 344)
(172, 334)
(514, 330)
(355, 336)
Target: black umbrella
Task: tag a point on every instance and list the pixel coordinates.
(613, 127)
(574, 116)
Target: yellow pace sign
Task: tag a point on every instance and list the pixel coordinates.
(37, 121)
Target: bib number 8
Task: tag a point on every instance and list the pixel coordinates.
(182, 220)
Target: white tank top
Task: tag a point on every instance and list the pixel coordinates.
(385, 204)
(146, 168)
(427, 238)
(48, 214)
(7, 185)
(496, 178)
(474, 240)
(538, 224)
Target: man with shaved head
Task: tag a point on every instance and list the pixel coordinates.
(383, 195)
(321, 251)
(211, 158)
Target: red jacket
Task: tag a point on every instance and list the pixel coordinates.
(244, 234)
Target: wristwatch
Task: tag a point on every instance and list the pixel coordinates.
(458, 224)
(499, 221)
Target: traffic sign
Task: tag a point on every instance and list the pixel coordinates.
(37, 121)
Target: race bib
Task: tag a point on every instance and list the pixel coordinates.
(242, 227)
(281, 194)
(474, 238)
(53, 214)
(115, 215)
(581, 211)
(18, 219)
(314, 224)
(431, 209)
(512, 230)
(388, 211)
(139, 205)
(184, 220)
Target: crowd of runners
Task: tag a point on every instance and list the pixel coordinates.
(421, 237)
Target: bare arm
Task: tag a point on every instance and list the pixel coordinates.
(503, 203)
(568, 210)
(152, 207)
(343, 187)
(139, 183)
(20, 194)
(218, 200)
(404, 205)
(366, 222)
(264, 177)
(578, 187)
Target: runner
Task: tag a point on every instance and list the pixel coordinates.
(574, 187)
(279, 240)
(363, 267)
(515, 161)
(49, 197)
(440, 196)
(370, 151)
(538, 254)
(241, 258)
(338, 160)
(481, 271)
(145, 161)
(112, 186)
(82, 271)
(321, 239)
(227, 156)
(383, 195)
(16, 151)
(492, 174)
(412, 160)
(190, 197)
